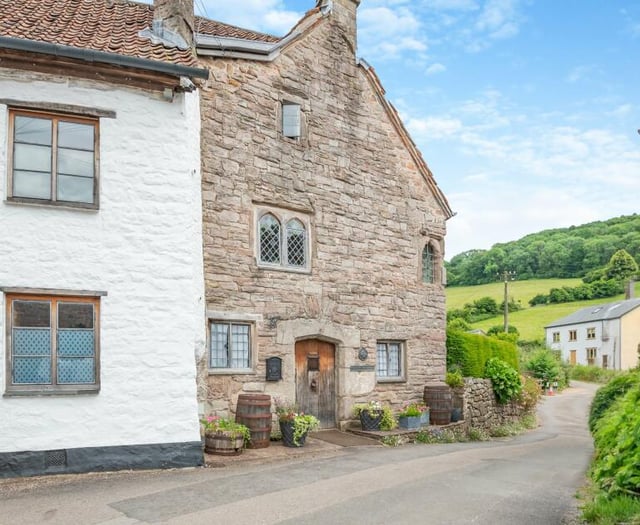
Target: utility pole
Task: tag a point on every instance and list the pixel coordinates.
(507, 275)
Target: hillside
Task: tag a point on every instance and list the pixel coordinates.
(558, 253)
(530, 322)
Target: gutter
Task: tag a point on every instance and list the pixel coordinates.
(207, 45)
(101, 57)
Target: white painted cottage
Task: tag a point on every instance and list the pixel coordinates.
(604, 335)
(101, 273)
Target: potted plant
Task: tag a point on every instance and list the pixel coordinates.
(374, 416)
(294, 425)
(224, 436)
(411, 416)
(455, 380)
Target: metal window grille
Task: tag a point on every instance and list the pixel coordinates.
(427, 264)
(45, 352)
(269, 239)
(296, 243)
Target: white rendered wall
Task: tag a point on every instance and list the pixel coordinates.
(143, 247)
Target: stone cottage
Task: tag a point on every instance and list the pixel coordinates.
(323, 226)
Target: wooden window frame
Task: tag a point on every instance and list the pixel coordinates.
(53, 388)
(252, 350)
(55, 118)
(402, 362)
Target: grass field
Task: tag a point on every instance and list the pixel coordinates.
(530, 322)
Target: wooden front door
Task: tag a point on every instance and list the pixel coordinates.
(572, 357)
(316, 380)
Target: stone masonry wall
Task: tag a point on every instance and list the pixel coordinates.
(370, 214)
(481, 409)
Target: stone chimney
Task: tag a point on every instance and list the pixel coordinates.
(174, 20)
(630, 289)
(344, 12)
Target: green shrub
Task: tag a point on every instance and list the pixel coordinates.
(607, 394)
(592, 374)
(470, 352)
(454, 379)
(616, 468)
(621, 509)
(530, 393)
(478, 434)
(505, 379)
(544, 365)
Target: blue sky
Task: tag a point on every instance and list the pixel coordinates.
(526, 111)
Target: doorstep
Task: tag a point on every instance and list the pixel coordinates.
(406, 434)
(275, 452)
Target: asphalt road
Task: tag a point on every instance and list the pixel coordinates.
(530, 479)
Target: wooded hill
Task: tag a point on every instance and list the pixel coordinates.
(558, 253)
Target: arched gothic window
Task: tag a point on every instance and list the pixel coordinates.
(296, 244)
(428, 264)
(270, 240)
(283, 240)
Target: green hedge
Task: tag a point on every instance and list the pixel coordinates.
(470, 352)
(609, 393)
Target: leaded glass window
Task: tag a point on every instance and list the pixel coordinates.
(296, 242)
(53, 158)
(283, 239)
(389, 359)
(428, 264)
(230, 345)
(269, 239)
(54, 343)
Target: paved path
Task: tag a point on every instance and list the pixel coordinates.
(526, 480)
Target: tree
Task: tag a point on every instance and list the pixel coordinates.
(621, 266)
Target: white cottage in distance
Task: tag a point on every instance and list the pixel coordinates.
(101, 273)
(605, 335)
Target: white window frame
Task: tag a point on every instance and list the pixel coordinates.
(283, 216)
(55, 118)
(592, 356)
(402, 361)
(573, 335)
(591, 333)
(54, 298)
(555, 337)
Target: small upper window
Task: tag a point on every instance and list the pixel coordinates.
(591, 333)
(428, 273)
(556, 337)
(573, 335)
(53, 159)
(283, 240)
(291, 120)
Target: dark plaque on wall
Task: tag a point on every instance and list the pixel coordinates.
(274, 369)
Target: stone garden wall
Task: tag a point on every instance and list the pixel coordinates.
(480, 408)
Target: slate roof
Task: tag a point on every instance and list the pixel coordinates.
(600, 312)
(110, 26)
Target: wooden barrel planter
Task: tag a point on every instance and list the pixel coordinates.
(254, 411)
(438, 397)
(223, 444)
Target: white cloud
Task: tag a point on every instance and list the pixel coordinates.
(436, 68)
(579, 73)
(432, 128)
(387, 32)
(269, 16)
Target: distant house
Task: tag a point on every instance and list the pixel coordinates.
(101, 278)
(605, 335)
